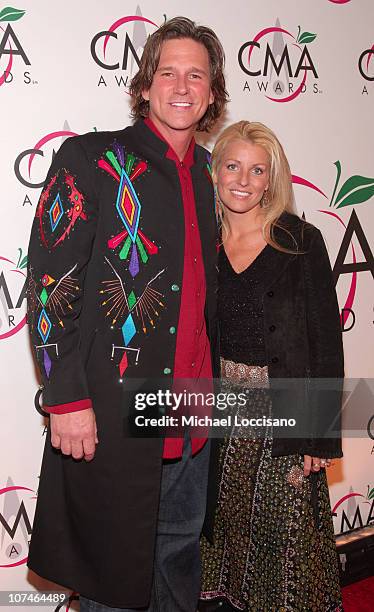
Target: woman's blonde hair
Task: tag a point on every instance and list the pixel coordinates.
(279, 196)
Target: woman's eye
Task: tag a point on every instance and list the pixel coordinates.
(195, 76)
(231, 166)
(258, 171)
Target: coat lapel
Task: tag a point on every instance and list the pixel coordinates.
(289, 238)
(277, 263)
(206, 217)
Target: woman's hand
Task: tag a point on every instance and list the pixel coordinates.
(314, 464)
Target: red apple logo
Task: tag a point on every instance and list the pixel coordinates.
(354, 190)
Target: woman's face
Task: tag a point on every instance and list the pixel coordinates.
(242, 176)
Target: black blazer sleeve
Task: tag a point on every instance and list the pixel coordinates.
(60, 247)
(325, 378)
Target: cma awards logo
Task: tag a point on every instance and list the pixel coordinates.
(32, 164)
(17, 507)
(355, 190)
(370, 431)
(354, 510)
(366, 67)
(118, 48)
(279, 63)
(13, 288)
(12, 53)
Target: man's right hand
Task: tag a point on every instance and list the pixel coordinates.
(75, 433)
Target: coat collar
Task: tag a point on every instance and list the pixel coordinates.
(289, 235)
(149, 137)
(188, 159)
(153, 139)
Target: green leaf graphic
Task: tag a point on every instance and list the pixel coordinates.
(11, 14)
(23, 263)
(371, 494)
(306, 37)
(356, 197)
(338, 174)
(352, 183)
(19, 257)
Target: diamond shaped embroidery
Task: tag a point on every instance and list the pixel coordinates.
(44, 296)
(44, 326)
(55, 212)
(123, 364)
(47, 362)
(128, 205)
(128, 330)
(131, 300)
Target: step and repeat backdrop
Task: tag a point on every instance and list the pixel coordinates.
(303, 67)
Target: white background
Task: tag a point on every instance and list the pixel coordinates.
(316, 129)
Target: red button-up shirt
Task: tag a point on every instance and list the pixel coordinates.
(192, 354)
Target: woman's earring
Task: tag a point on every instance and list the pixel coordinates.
(265, 199)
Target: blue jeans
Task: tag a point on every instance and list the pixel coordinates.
(177, 566)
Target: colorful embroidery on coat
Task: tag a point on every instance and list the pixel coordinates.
(134, 244)
(53, 299)
(135, 312)
(57, 211)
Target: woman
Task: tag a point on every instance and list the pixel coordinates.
(270, 544)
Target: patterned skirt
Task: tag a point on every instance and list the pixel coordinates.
(274, 547)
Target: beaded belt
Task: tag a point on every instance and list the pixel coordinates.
(250, 375)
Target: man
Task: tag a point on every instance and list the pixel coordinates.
(122, 289)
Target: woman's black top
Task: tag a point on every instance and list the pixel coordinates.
(240, 309)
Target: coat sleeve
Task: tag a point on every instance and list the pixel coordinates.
(60, 247)
(325, 380)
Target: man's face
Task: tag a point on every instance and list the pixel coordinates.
(180, 92)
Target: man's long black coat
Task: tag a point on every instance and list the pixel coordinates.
(101, 315)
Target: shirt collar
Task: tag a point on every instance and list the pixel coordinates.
(188, 159)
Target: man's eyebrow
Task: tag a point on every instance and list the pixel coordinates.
(192, 69)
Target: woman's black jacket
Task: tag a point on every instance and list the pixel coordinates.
(303, 343)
